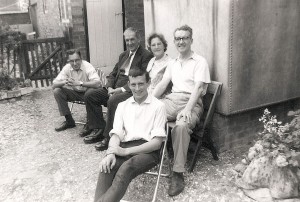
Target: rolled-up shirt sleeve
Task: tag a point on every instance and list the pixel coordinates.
(92, 74)
(118, 126)
(63, 74)
(159, 122)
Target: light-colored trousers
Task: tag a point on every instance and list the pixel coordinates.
(175, 103)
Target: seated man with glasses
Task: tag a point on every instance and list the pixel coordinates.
(135, 140)
(189, 74)
(78, 81)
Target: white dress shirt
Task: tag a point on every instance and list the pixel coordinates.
(129, 65)
(135, 121)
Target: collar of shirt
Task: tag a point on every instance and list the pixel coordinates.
(81, 68)
(132, 54)
(192, 56)
(147, 101)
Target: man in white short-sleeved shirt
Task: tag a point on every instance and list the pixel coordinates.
(189, 74)
(137, 134)
(79, 81)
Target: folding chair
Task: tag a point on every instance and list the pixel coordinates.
(201, 130)
(103, 82)
(159, 173)
(159, 166)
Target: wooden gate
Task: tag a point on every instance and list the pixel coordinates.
(44, 58)
(105, 28)
(39, 60)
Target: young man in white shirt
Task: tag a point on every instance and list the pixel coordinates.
(189, 74)
(135, 140)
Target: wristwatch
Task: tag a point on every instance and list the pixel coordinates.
(81, 83)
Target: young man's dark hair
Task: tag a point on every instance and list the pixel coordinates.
(135, 72)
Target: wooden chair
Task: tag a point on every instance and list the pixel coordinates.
(103, 82)
(201, 131)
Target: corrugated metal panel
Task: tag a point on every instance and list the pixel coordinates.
(265, 53)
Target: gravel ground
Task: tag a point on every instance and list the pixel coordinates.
(39, 164)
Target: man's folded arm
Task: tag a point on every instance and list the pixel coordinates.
(153, 145)
(197, 91)
(61, 79)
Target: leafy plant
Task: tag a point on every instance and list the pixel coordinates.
(279, 142)
(10, 40)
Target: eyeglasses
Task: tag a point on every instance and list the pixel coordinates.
(76, 61)
(177, 39)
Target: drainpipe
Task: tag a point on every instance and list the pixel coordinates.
(86, 30)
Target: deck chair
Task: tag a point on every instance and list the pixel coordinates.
(103, 82)
(201, 131)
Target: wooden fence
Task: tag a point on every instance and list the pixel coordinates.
(39, 60)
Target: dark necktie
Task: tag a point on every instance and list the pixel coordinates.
(125, 64)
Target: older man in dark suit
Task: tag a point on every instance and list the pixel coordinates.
(117, 83)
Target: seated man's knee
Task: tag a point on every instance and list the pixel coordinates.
(112, 102)
(181, 123)
(57, 91)
(123, 174)
(88, 94)
(183, 126)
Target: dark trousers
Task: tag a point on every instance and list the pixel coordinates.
(94, 98)
(112, 104)
(112, 186)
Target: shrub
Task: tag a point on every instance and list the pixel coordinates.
(281, 142)
(10, 40)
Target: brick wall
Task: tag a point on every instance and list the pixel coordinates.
(238, 130)
(134, 16)
(50, 25)
(48, 20)
(78, 35)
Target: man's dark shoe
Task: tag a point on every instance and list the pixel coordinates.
(103, 145)
(95, 136)
(65, 125)
(85, 131)
(177, 184)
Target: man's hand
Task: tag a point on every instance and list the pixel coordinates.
(72, 82)
(186, 115)
(117, 150)
(107, 163)
(112, 91)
